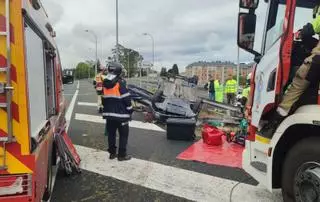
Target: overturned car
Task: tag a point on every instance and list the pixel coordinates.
(162, 107)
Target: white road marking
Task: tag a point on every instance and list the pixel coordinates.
(133, 123)
(85, 135)
(175, 181)
(90, 104)
(71, 107)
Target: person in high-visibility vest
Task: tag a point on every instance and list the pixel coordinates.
(211, 90)
(246, 90)
(218, 91)
(97, 82)
(117, 110)
(231, 90)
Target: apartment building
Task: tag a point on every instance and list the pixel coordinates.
(219, 70)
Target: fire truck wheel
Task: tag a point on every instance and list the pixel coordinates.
(301, 172)
(47, 193)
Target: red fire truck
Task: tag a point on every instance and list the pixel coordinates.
(31, 101)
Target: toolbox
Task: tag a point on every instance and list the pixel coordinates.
(181, 129)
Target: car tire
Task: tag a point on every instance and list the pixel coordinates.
(299, 156)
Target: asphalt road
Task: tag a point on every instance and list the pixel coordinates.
(154, 159)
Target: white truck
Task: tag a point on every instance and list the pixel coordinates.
(290, 158)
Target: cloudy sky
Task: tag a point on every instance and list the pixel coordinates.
(185, 31)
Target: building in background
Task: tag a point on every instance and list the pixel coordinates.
(219, 70)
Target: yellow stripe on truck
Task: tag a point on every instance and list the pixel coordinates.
(14, 165)
(262, 139)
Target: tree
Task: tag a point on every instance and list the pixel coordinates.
(129, 58)
(163, 71)
(82, 70)
(175, 69)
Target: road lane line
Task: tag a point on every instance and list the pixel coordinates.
(71, 107)
(133, 123)
(90, 104)
(175, 181)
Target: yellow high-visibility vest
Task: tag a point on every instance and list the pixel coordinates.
(218, 91)
(231, 86)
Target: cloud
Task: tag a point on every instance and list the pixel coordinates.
(184, 30)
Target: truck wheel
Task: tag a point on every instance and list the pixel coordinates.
(301, 172)
(47, 193)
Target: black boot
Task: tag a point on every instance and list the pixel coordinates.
(124, 158)
(270, 128)
(113, 156)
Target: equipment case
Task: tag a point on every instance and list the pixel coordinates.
(181, 129)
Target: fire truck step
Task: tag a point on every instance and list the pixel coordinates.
(4, 139)
(3, 69)
(3, 105)
(3, 33)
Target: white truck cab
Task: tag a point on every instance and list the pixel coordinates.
(290, 159)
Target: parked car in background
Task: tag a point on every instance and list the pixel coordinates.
(68, 77)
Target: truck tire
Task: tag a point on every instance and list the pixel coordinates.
(48, 191)
(301, 172)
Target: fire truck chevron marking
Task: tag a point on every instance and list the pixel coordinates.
(2, 99)
(3, 28)
(15, 150)
(15, 109)
(13, 69)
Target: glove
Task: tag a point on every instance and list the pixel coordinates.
(297, 35)
(307, 31)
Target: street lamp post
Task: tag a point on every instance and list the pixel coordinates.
(117, 31)
(129, 53)
(96, 40)
(147, 34)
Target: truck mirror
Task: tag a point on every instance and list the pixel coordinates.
(246, 31)
(249, 4)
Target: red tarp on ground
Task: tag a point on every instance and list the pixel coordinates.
(227, 154)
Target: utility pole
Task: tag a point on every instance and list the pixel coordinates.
(96, 40)
(117, 31)
(238, 68)
(147, 34)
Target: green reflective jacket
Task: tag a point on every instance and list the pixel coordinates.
(246, 91)
(218, 91)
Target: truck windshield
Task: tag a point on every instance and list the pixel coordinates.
(303, 15)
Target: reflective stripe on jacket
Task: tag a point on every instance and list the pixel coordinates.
(117, 102)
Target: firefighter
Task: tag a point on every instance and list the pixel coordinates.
(231, 89)
(246, 91)
(307, 75)
(97, 82)
(117, 110)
